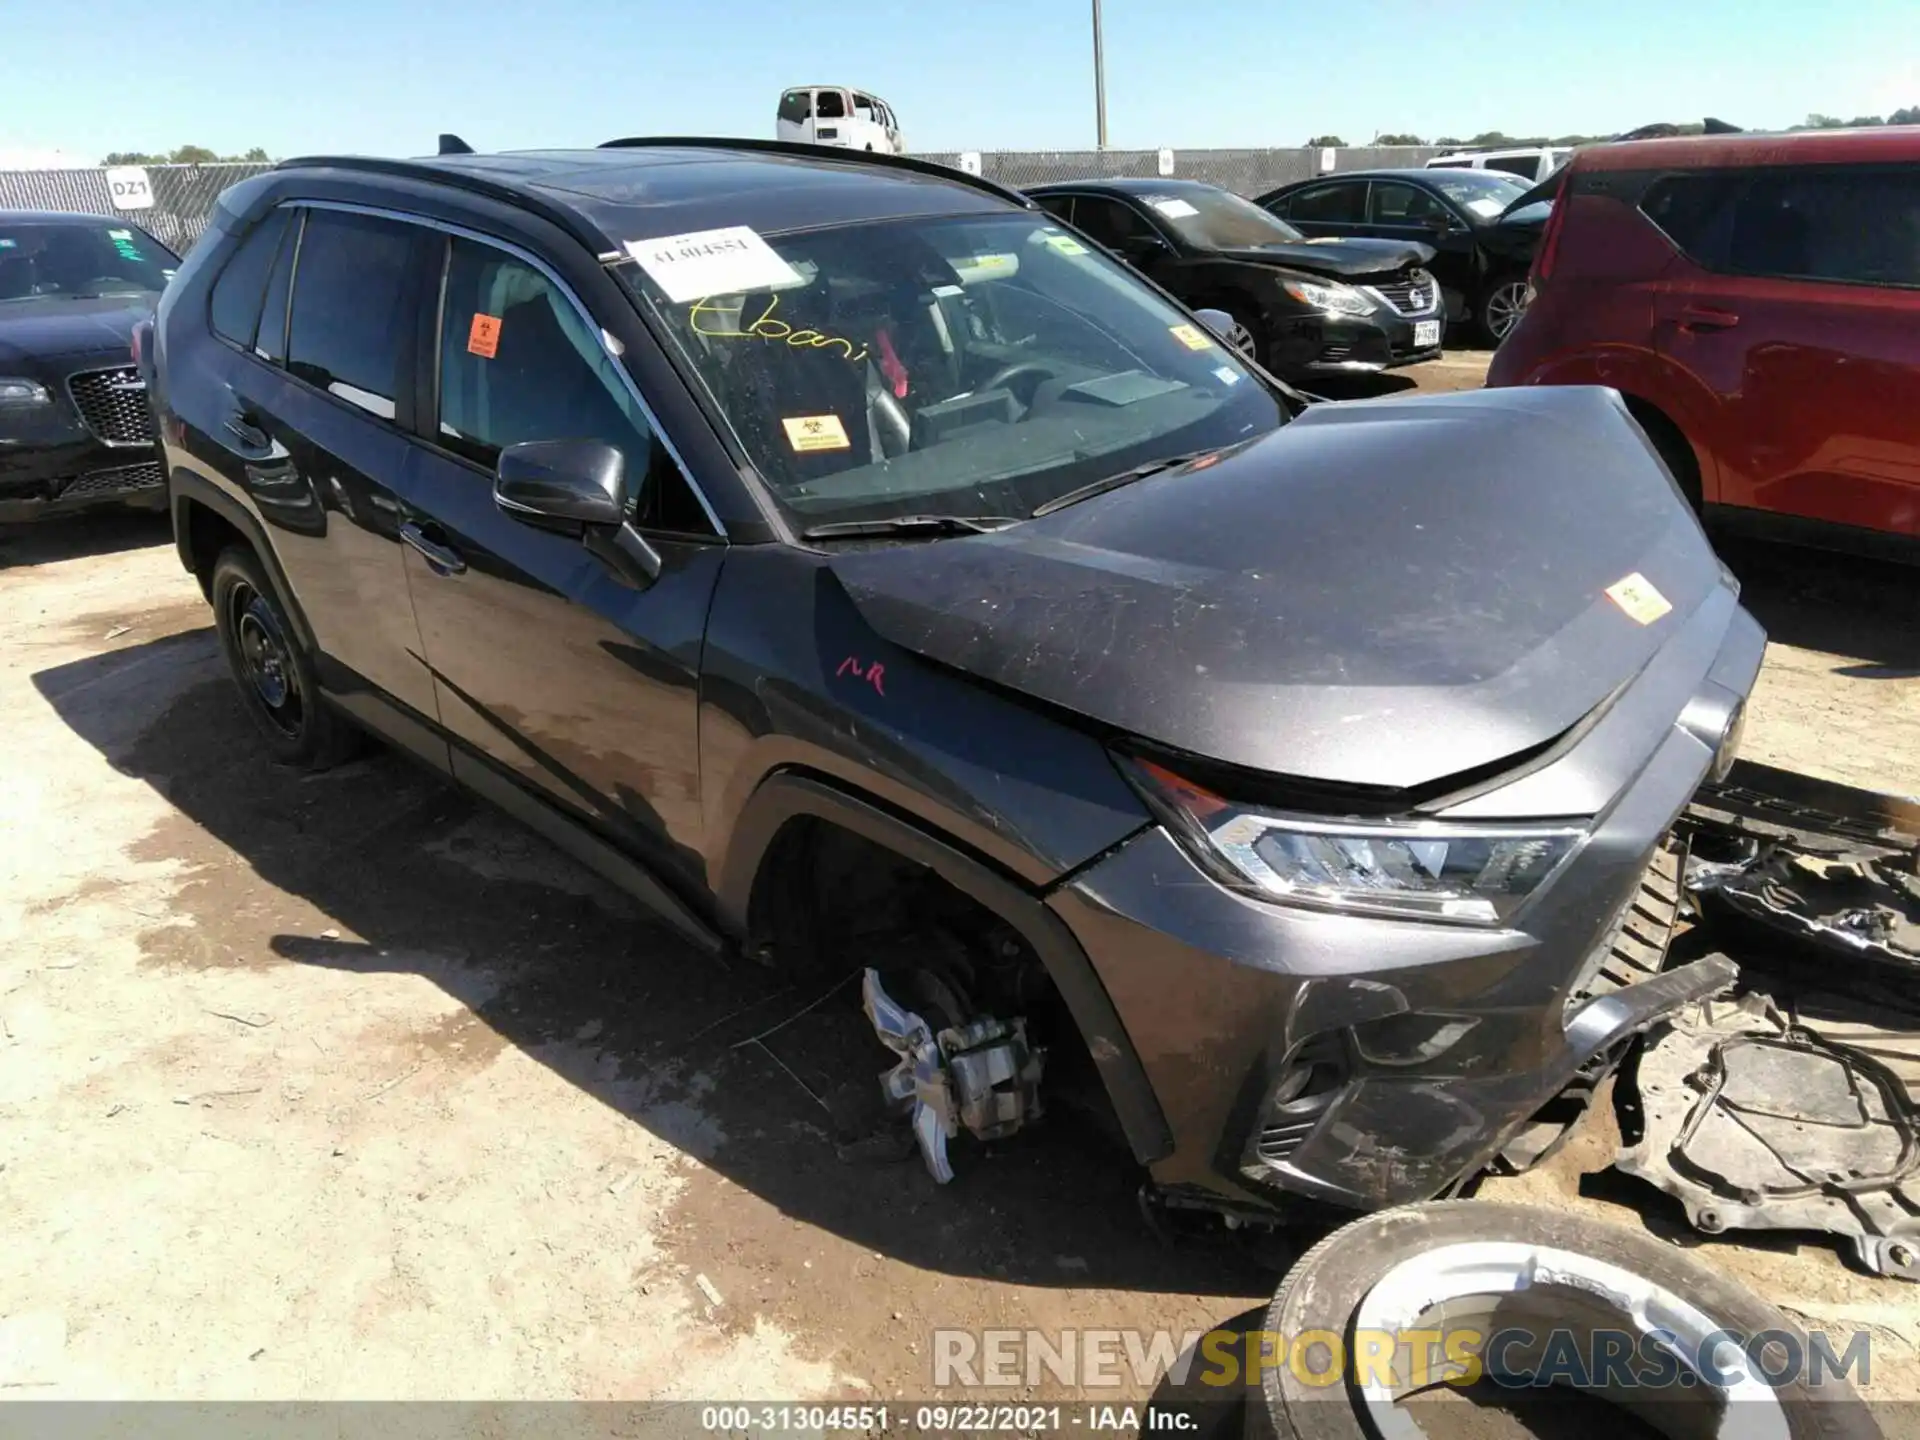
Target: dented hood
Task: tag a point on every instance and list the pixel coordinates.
(1382, 593)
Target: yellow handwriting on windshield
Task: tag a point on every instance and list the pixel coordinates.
(765, 327)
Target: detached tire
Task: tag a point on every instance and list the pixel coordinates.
(271, 671)
(1554, 1274)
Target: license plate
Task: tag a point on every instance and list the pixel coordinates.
(1425, 333)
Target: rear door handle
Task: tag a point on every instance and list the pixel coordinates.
(1699, 317)
(441, 559)
(246, 429)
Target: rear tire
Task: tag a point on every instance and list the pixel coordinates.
(271, 671)
(1453, 1253)
(1673, 447)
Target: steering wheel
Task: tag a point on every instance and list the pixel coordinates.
(1006, 374)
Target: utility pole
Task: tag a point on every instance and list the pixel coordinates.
(1099, 82)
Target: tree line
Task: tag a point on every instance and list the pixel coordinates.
(1500, 140)
(184, 155)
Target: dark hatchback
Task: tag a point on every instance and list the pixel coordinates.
(886, 585)
(75, 427)
(1483, 224)
(1299, 306)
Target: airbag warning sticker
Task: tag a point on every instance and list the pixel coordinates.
(816, 432)
(1637, 596)
(483, 336)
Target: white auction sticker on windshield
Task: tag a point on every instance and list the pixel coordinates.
(1174, 209)
(1485, 206)
(712, 262)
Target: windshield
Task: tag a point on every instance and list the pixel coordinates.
(971, 366)
(80, 260)
(1210, 219)
(1481, 193)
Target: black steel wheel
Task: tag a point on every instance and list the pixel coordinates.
(272, 673)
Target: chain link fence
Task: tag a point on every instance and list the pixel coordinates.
(183, 195)
(1246, 172)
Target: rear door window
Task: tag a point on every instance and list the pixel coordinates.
(350, 316)
(796, 106)
(1855, 224)
(1694, 211)
(1341, 203)
(234, 308)
(1527, 165)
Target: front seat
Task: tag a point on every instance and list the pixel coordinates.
(770, 382)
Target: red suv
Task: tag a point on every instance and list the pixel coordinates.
(1756, 300)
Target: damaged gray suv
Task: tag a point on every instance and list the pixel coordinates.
(831, 547)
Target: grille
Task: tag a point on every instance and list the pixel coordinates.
(1414, 295)
(123, 480)
(114, 405)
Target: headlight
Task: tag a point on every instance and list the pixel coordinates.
(1411, 870)
(19, 391)
(1334, 299)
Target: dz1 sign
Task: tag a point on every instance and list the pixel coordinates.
(129, 188)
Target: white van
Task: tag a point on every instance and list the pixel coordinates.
(837, 115)
(1535, 162)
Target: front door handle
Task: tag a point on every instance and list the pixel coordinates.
(441, 559)
(1700, 317)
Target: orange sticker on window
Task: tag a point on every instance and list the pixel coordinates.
(1637, 596)
(483, 338)
(817, 432)
(1191, 337)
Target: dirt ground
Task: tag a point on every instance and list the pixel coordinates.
(344, 1087)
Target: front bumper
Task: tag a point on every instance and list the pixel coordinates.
(77, 475)
(1336, 344)
(1425, 1046)
(52, 461)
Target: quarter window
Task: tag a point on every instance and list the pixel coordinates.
(234, 309)
(271, 343)
(1693, 210)
(348, 316)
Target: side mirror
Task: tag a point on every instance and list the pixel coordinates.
(1138, 248)
(568, 484)
(1218, 321)
(577, 487)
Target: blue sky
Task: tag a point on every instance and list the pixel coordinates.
(386, 76)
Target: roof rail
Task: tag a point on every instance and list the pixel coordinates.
(823, 152)
(521, 197)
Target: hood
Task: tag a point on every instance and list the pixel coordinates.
(1339, 257)
(53, 326)
(1382, 593)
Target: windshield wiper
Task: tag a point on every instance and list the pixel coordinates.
(931, 525)
(1125, 477)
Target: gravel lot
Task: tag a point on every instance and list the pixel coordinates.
(343, 1087)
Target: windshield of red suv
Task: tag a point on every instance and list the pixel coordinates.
(962, 366)
(1210, 219)
(80, 260)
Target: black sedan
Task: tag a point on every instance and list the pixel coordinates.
(1484, 224)
(1298, 306)
(75, 427)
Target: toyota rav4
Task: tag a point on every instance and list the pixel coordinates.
(818, 544)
